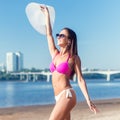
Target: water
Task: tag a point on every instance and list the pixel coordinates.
(41, 93)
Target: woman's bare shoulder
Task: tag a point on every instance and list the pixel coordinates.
(76, 58)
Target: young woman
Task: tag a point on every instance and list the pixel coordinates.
(65, 62)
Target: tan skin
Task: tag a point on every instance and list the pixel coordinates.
(60, 81)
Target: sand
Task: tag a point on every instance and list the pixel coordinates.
(108, 110)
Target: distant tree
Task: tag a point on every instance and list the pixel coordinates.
(35, 70)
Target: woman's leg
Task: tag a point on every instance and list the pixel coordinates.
(67, 117)
(63, 107)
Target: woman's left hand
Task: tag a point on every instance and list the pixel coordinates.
(92, 107)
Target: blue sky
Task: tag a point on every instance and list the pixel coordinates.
(96, 23)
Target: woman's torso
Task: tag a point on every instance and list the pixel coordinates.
(61, 73)
(60, 82)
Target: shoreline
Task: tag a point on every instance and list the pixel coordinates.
(108, 110)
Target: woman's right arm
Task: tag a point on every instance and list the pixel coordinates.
(51, 44)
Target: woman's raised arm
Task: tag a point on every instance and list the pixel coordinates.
(51, 43)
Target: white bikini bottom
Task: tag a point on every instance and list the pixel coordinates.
(68, 94)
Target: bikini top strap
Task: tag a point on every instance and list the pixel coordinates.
(68, 57)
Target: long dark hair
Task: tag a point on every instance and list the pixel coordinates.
(73, 46)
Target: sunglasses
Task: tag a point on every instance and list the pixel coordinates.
(60, 35)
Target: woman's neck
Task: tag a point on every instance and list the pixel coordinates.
(63, 51)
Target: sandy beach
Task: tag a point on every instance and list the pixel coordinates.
(108, 110)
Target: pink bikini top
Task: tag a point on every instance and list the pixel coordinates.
(61, 68)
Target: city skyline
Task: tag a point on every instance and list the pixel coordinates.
(97, 24)
(3, 66)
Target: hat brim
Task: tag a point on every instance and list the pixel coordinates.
(37, 18)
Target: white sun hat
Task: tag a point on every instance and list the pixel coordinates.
(37, 18)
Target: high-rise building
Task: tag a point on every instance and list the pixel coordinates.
(19, 61)
(10, 62)
(14, 61)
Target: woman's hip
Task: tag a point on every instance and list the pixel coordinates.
(68, 93)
